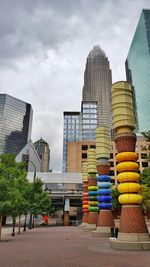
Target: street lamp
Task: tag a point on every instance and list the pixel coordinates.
(31, 225)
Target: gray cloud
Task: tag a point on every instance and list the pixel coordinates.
(43, 50)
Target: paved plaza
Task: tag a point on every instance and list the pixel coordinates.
(65, 247)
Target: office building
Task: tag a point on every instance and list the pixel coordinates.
(138, 71)
(71, 132)
(89, 120)
(43, 151)
(15, 124)
(77, 153)
(97, 85)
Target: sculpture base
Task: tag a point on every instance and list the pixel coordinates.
(92, 218)
(83, 224)
(102, 232)
(85, 218)
(89, 227)
(132, 220)
(128, 245)
(105, 219)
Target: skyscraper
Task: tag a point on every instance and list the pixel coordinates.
(43, 151)
(95, 105)
(15, 124)
(138, 71)
(97, 85)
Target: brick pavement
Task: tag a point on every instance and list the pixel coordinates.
(65, 247)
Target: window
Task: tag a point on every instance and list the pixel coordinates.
(144, 164)
(84, 147)
(92, 146)
(143, 155)
(84, 155)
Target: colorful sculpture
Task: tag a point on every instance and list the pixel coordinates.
(133, 233)
(85, 204)
(92, 190)
(105, 219)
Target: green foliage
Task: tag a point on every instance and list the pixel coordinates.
(145, 177)
(145, 192)
(17, 195)
(115, 194)
(41, 202)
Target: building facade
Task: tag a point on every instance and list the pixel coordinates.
(97, 85)
(43, 151)
(77, 153)
(89, 120)
(138, 71)
(15, 124)
(71, 132)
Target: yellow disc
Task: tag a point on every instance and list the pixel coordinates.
(93, 203)
(129, 187)
(126, 156)
(130, 199)
(85, 206)
(127, 166)
(92, 188)
(128, 177)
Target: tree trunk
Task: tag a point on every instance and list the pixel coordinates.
(33, 221)
(0, 227)
(19, 224)
(25, 222)
(14, 223)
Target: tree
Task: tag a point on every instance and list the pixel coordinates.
(115, 202)
(10, 196)
(145, 192)
(145, 176)
(40, 200)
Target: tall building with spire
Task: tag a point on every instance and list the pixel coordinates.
(95, 105)
(138, 71)
(97, 85)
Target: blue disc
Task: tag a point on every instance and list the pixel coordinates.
(103, 184)
(103, 178)
(106, 206)
(92, 193)
(104, 198)
(104, 191)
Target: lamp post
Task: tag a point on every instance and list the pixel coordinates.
(31, 225)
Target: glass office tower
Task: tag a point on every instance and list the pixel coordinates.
(71, 133)
(97, 85)
(138, 71)
(89, 119)
(15, 124)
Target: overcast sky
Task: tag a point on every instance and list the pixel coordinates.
(43, 49)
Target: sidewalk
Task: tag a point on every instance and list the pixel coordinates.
(66, 247)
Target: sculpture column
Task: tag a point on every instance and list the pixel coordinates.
(105, 218)
(85, 205)
(92, 190)
(133, 233)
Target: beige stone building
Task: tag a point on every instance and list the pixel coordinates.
(43, 151)
(77, 153)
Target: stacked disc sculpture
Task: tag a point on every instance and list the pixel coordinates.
(92, 189)
(133, 233)
(85, 205)
(105, 218)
